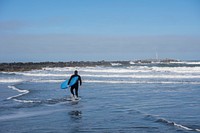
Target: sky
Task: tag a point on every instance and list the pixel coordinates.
(93, 30)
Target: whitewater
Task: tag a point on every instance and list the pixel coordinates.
(139, 97)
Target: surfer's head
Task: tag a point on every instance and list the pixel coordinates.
(75, 72)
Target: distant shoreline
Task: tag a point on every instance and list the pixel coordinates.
(19, 66)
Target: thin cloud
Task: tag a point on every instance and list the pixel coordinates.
(53, 43)
(48, 24)
(12, 25)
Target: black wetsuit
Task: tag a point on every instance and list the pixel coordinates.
(76, 85)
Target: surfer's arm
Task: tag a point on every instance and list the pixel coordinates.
(69, 80)
(80, 80)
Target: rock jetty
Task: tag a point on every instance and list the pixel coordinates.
(20, 66)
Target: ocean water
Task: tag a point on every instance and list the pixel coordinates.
(136, 98)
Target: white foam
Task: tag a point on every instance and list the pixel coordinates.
(136, 69)
(110, 75)
(133, 71)
(7, 72)
(177, 125)
(116, 64)
(131, 62)
(120, 82)
(144, 76)
(177, 69)
(10, 80)
(189, 62)
(193, 63)
(47, 81)
(139, 82)
(43, 75)
(118, 70)
(145, 69)
(181, 126)
(26, 101)
(59, 69)
(22, 92)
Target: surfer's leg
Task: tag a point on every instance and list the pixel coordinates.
(76, 91)
(72, 91)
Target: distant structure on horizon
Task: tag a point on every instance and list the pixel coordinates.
(156, 56)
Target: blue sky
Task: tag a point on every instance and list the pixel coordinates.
(67, 30)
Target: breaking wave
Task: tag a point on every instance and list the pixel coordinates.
(171, 76)
(140, 82)
(10, 80)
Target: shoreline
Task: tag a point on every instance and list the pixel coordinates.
(27, 66)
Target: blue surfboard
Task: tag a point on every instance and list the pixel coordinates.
(65, 85)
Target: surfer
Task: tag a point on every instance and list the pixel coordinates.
(76, 85)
